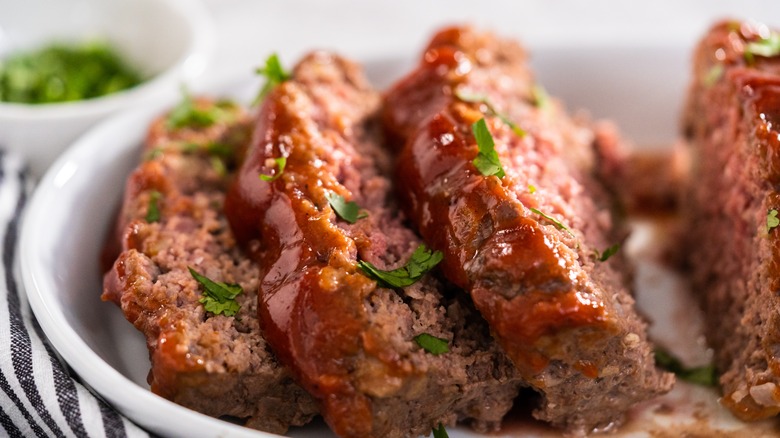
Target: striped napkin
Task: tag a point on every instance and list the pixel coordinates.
(39, 395)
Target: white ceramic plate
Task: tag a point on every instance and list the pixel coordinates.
(72, 208)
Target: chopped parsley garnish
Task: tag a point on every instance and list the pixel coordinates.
(765, 47)
(558, 224)
(772, 221)
(280, 163)
(64, 73)
(440, 432)
(607, 253)
(190, 148)
(703, 375)
(214, 148)
(422, 261)
(491, 110)
(187, 113)
(218, 298)
(274, 74)
(153, 209)
(218, 149)
(349, 211)
(487, 161)
(154, 154)
(540, 97)
(713, 75)
(218, 165)
(432, 344)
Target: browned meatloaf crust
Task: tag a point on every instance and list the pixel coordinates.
(214, 364)
(523, 245)
(349, 341)
(732, 123)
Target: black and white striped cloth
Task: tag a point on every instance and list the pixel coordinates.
(39, 396)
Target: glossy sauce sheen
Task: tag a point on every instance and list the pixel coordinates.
(492, 245)
(734, 124)
(312, 294)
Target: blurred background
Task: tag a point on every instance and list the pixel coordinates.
(626, 60)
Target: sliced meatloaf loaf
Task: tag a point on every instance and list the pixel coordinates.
(524, 231)
(313, 204)
(171, 221)
(732, 244)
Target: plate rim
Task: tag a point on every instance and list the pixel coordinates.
(138, 404)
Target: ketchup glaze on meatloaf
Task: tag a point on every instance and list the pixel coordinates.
(731, 246)
(348, 340)
(523, 245)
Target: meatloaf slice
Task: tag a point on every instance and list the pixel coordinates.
(349, 340)
(526, 245)
(732, 245)
(171, 220)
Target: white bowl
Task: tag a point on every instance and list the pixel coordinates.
(169, 41)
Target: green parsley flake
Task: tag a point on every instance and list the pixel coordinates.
(280, 163)
(772, 221)
(703, 375)
(274, 74)
(214, 149)
(765, 47)
(190, 148)
(713, 75)
(153, 209)
(218, 164)
(487, 161)
(218, 298)
(607, 253)
(188, 114)
(432, 344)
(217, 149)
(422, 261)
(491, 110)
(154, 154)
(65, 73)
(558, 224)
(349, 211)
(440, 432)
(540, 97)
